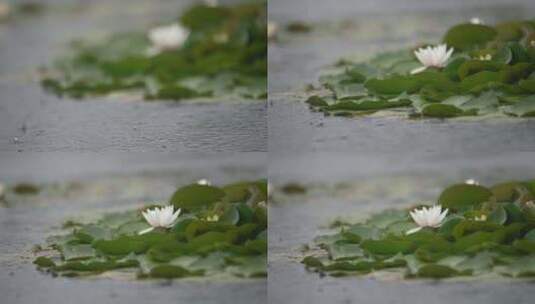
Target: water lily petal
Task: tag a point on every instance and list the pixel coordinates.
(413, 230)
(146, 230)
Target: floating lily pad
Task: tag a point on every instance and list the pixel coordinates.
(488, 74)
(464, 196)
(481, 235)
(225, 54)
(197, 245)
(195, 196)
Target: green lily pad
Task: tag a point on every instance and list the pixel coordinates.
(341, 251)
(225, 54)
(481, 235)
(235, 245)
(387, 247)
(393, 85)
(523, 108)
(77, 252)
(489, 74)
(436, 271)
(194, 197)
(440, 110)
(465, 37)
(464, 196)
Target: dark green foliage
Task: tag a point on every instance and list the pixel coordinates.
(44, 262)
(490, 72)
(486, 231)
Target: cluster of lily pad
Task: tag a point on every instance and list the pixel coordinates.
(491, 70)
(480, 232)
(213, 51)
(214, 231)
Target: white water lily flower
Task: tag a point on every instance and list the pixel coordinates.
(476, 20)
(471, 181)
(169, 37)
(427, 217)
(204, 182)
(431, 56)
(160, 218)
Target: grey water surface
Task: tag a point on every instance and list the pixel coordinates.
(33, 120)
(82, 187)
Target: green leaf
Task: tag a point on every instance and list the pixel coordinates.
(486, 103)
(366, 105)
(362, 267)
(467, 227)
(77, 252)
(465, 37)
(498, 215)
(521, 267)
(44, 262)
(393, 85)
(527, 85)
(441, 110)
(514, 214)
(194, 197)
(436, 271)
(96, 265)
(527, 246)
(530, 235)
(316, 101)
(449, 225)
(249, 267)
(346, 90)
(509, 31)
(343, 251)
(231, 216)
(463, 196)
(524, 108)
(484, 79)
(312, 262)
(506, 192)
(471, 67)
(387, 247)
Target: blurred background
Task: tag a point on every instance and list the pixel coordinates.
(35, 33)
